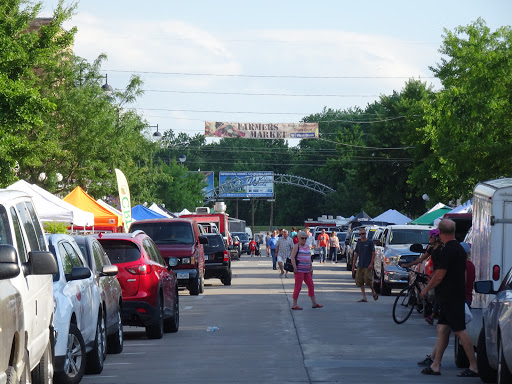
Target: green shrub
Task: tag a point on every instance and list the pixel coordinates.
(55, 227)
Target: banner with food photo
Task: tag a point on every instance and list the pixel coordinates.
(261, 130)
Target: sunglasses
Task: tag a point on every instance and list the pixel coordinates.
(302, 238)
(362, 234)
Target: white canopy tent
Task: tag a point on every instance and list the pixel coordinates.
(51, 208)
(392, 216)
(157, 209)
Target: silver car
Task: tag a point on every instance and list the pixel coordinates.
(494, 352)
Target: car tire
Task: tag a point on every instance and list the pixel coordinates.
(75, 351)
(194, 286)
(461, 359)
(43, 372)
(156, 330)
(115, 341)
(226, 279)
(96, 357)
(504, 375)
(487, 374)
(172, 324)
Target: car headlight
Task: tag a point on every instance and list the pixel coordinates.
(185, 260)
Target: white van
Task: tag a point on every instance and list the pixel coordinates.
(491, 243)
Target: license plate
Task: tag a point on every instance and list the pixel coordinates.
(205, 257)
(182, 275)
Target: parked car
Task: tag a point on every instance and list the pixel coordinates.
(216, 259)
(149, 287)
(181, 244)
(26, 299)
(350, 245)
(244, 239)
(79, 318)
(494, 351)
(236, 249)
(108, 288)
(392, 248)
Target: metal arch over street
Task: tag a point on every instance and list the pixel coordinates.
(278, 178)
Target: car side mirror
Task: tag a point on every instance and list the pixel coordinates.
(109, 270)
(485, 287)
(378, 243)
(9, 267)
(203, 240)
(78, 273)
(418, 248)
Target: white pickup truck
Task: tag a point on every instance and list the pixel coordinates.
(26, 293)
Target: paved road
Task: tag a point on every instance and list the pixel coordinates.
(261, 340)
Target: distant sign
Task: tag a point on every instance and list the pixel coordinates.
(246, 184)
(210, 179)
(261, 131)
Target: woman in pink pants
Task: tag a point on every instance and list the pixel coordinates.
(303, 269)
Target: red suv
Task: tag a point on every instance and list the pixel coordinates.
(181, 244)
(149, 287)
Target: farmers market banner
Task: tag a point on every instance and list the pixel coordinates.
(261, 130)
(124, 198)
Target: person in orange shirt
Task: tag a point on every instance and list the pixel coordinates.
(322, 242)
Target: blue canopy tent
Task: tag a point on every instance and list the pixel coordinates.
(140, 212)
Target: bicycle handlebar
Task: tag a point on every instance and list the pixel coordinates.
(408, 269)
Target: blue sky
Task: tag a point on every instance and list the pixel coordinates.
(361, 49)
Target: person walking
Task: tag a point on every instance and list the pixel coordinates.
(252, 247)
(303, 271)
(283, 250)
(365, 252)
(272, 244)
(322, 243)
(450, 285)
(334, 247)
(267, 246)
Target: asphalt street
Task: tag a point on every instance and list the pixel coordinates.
(247, 333)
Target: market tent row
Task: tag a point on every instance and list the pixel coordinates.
(51, 208)
(392, 216)
(430, 216)
(104, 219)
(161, 211)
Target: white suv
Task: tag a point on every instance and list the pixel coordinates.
(25, 269)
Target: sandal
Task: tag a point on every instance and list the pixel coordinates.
(317, 306)
(430, 371)
(468, 373)
(375, 297)
(362, 301)
(297, 308)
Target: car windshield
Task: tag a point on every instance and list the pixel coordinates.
(215, 244)
(121, 251)
(242, 236)
(342, 236)
(409, 236)
(167, 232)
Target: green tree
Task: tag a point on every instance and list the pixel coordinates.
(469, 128)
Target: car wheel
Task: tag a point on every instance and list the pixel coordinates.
(376, 283)
(504, 375)
(115, 341)
(194, 286)
(349, 264)
(226, 279)
(172, 324)
(43, 372)
(74, 360)
(487, 374)
(96, 357)
(156, 330)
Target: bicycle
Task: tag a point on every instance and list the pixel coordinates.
(409, 298)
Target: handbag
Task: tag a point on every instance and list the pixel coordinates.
(288, 266)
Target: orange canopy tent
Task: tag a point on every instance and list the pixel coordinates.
(104, 220)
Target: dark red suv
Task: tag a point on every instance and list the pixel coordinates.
(181, 244)
(150, 288)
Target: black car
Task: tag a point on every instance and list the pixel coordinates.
(244, 238)
(217, 260)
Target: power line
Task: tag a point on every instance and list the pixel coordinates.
(255, 94)
(267, 76)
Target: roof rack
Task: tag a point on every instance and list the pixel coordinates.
(138, 232)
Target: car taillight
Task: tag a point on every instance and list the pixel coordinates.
(496, 272)
(142, 269)
(226, 255)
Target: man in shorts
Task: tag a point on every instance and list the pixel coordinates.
(365, 252)
(449, 281)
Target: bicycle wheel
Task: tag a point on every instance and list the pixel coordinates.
(404, 304)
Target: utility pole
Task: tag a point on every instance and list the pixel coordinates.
(252, 214)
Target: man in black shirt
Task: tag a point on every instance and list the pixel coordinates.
(449, 283)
